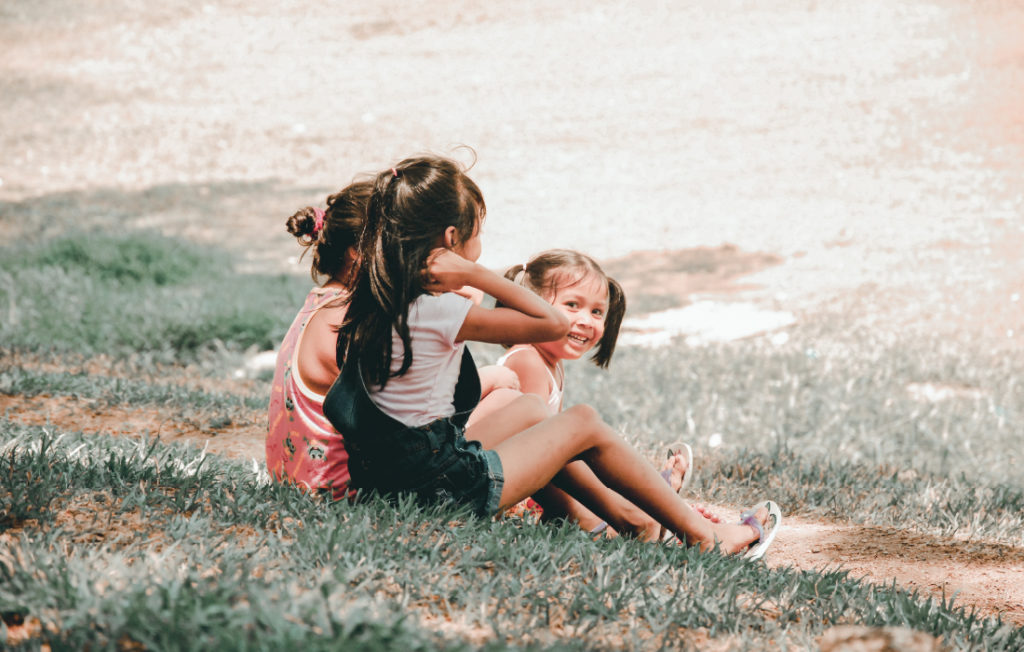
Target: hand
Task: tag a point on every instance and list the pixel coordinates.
(445, 271)
(494, 377)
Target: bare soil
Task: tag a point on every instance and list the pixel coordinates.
(825, 149)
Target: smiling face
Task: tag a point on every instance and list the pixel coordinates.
(585, 303)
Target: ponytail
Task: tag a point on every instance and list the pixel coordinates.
(408, 210)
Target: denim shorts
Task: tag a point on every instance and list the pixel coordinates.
(438, 465)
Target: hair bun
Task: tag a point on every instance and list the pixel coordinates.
(303, 223)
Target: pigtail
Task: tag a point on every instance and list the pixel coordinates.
(518, 274)
(612, 322)
(330, 233)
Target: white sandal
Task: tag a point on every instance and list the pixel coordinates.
(757, 549)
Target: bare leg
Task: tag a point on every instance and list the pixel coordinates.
(533, 457)
(586, 496)
(508, 412)
(492, 403)
(505, 413)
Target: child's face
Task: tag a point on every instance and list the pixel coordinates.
(586, 306)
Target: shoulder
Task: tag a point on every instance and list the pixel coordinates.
(533, 373)
(439, 316)
(444, 307)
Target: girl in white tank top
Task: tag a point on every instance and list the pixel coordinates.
(594, 304)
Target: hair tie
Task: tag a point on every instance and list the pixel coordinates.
(318, 214)
(394, 172)
(520, 276)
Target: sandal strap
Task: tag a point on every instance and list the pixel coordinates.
(748, 518)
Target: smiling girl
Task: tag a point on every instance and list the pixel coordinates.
(593, 303)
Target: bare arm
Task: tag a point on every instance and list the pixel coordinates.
(494, 377)
(525, 318)
(533, 374)
(317, 366)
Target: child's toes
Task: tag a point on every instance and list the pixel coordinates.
(674, 470)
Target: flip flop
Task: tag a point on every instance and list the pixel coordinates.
(764, 539)
(687, 452)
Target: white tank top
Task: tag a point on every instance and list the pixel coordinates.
(554, 388)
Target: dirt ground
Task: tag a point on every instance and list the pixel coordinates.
(871, 147)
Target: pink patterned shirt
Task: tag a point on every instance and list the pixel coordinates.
(302, 445)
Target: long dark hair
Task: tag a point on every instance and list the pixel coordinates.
(552, 270)
(338, 229)
(411, 206)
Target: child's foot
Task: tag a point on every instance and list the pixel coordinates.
(746, 537)
(678, 468)
(706, 512)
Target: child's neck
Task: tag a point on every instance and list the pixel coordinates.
(553, 362)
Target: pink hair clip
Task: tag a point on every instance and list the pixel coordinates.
(394, 172)
(318, 214)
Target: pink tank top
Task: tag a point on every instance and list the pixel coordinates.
(302, 445)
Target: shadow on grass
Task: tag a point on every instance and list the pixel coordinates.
(46, 216)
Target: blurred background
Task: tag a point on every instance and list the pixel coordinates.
(870, 147)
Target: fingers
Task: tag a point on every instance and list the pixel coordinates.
(430, 283)
(443, 271)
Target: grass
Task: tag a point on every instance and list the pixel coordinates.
(119, 543)
(221, 558)
(115, 390)
(140, 293)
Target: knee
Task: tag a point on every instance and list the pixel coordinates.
(533, 408)
(586, 415)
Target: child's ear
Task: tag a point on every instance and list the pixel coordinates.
(451, 237)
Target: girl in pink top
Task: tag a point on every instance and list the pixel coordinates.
(302, 446)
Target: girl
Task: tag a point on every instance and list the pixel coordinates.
(407, 382)
(302, 445)
(595, 305)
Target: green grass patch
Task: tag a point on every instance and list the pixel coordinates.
(227, 560)
(825, 394)
(180, 547)
(138, 292)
